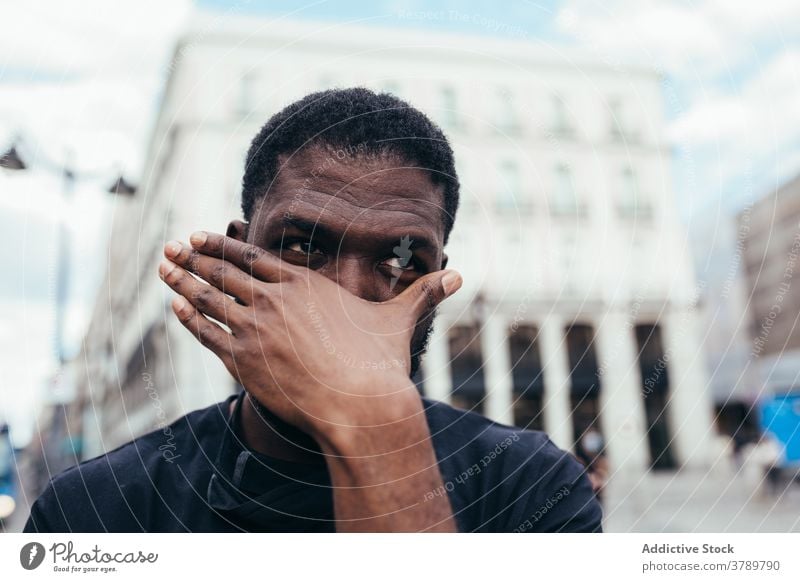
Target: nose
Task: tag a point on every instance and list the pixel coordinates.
(356, 275)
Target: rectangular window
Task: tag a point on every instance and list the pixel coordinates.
(561, 123)
(620, 128)
(448, 108)
(631, 203)
(564, 199)
(505, 114)
(509, 196)
(246, 100)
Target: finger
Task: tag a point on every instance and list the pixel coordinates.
(250, 258)
(422, 296)
(208, 333)
(222, 274)
(207, 299)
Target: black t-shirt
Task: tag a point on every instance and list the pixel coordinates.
(196, 475)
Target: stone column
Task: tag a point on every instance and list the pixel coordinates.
(557, 409)
(497, 369)
(436, 364)
(689, 408)
(621, 407)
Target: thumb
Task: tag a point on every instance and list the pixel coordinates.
(429, 291)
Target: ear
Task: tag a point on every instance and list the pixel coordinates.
(238, 229)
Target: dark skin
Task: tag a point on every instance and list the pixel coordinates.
(323, 316)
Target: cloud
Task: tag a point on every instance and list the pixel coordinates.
(749, 137)
(91, 37)
(84, 77)
(734, 67)
(700, 37)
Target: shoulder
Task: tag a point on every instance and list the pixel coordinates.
(82, 497)
(460, 432)
(518, 479)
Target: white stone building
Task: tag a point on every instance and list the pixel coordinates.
(567, 232)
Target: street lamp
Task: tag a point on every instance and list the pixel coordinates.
(121, 187)
(12, 161)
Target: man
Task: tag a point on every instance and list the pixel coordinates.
(320, 304)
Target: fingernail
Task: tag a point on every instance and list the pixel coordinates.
(165, 268)
(451, 282)
(198, 238)
(179, 303)
(172, 248)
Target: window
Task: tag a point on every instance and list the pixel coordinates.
(620, 129)
(505, 115)
(564, 199)
(561, 122)
(448, 108)
(615, 121)
(631, 203)
(508, 187)
(246, 101)
(466, 367)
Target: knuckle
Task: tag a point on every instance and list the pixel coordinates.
(216, 244)
(251, 255)
(174, 277)
(289, 273)
(186, 316)
(242, 276)
(193, 261)
(201, 296)
(205, 336)
(217, 275)
(260, 293)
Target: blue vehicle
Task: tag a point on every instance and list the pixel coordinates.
(780, 417)
(8, 481)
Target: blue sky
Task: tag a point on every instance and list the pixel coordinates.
(86, 77)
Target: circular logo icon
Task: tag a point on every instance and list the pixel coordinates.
(31, 555)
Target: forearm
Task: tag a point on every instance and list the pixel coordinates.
(381, 474)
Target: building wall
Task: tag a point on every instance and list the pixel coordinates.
(567, 218)
(772, 268)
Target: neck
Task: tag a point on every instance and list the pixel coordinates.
(267, 434)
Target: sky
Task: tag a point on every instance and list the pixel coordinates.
(82, 80)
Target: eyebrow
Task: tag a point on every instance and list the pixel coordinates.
(306, 226)
(419, 239)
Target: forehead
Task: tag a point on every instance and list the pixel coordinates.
(349, 190)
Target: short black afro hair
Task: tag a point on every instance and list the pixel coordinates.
(374, 123)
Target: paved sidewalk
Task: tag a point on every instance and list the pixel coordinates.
(718, 500)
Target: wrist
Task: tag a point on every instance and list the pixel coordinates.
(374, 424)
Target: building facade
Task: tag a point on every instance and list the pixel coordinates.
(578, 309)
(771, 260)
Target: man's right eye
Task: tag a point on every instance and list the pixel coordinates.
(304, 247)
